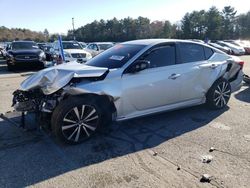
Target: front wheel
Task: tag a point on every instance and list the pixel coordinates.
(10, 67)
(76, 119)
(219, 94)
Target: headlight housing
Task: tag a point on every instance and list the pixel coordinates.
(9, 56)
(66, 54)
(42, 56)
(88, 56)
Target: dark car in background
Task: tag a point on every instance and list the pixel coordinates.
(48, 52)
(25, 54)
(41, 45)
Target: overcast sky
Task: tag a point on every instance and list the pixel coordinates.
(56, 15)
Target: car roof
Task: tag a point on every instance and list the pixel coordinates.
(101, 43)
(70, 41)
(157, 41)
(20, 41)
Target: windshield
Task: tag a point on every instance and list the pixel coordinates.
(24, 45)
(83, 45)
(71, 45)
(105, 46)
(116, 56)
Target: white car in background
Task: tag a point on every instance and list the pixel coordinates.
(98, 47)
(244, 44)
(72, 51)
(237, 50)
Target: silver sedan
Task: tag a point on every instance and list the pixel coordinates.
(129, 80)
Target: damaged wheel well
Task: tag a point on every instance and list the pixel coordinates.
(105, 101)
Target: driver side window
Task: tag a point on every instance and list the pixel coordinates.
(161, 56)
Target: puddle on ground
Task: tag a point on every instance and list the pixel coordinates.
(221, 126)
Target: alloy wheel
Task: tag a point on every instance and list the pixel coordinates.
(222, 94)
(80, 123)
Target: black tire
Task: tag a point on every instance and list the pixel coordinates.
(219, 94)
(10, 67)
(246, 79)
(76, 119)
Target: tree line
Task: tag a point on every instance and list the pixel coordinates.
(7, 34)
(212, 24)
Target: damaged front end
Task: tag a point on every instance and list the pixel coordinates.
(43, 91)
(35, 101)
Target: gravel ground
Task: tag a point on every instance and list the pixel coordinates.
(164, 150)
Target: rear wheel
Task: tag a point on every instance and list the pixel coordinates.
(219, 94)
(77, 119)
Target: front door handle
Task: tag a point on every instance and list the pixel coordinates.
(174, 76)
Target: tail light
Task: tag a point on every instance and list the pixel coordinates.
(241, 63)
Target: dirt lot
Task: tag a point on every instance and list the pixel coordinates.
(163, 150)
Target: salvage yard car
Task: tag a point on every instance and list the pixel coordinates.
(129, 80)
(24, 54)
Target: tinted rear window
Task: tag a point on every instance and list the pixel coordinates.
(116, 56)
(191, 52)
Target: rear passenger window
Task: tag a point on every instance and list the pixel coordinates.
(208, 52)
(161, 56)
(191, 52)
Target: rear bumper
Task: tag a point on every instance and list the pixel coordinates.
(247, 49)
(237, 83)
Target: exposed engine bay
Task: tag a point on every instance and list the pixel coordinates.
(35, 101)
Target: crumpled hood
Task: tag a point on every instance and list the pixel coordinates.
(54, 78)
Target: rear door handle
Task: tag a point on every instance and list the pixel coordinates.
(174, 76)
(213, 66)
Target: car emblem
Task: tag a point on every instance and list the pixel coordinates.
(26, 57)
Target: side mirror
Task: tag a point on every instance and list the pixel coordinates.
(138, 66)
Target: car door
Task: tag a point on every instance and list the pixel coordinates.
(154, 87)
(197, 71)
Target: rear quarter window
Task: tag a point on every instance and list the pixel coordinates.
(191, 52)
(208, 52)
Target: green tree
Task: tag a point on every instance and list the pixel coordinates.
(228, 14)
(46, 34)
(186, 26)
(213, 24)
(243, 25)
